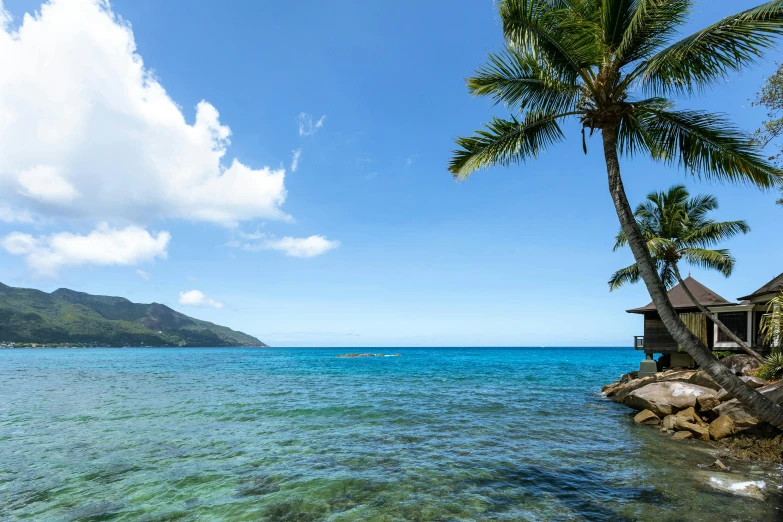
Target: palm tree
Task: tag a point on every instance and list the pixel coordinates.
(612, 64)
(676, 229)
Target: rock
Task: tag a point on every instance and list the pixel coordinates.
(741, 364)
(722, 427)
(618, 391)
(707, 402)
(690, 415)
(774, 392)
(699, 431)
(719, 465)
(754, 382)
(665, 398)
(738, 486)
(702, 378)
(668, 422)
(724, 396)
(647, 418)
(734, 410)
(741, 417)
(682, 435)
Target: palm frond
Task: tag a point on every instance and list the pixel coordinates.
(554, 29)
(709, 55)
(520, 81)
(649, 27)
(505, 142)
(627, 275)
(720, 260)
(712, 233)
(708, 146)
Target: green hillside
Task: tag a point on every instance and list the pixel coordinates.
(69, 317)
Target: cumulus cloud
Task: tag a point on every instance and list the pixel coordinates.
(144, 275)
(197, 298)
(103, 246)
(292, 246)
(88, 132)
(306, 125)
(295, 159)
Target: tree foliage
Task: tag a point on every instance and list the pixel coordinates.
(677, 228)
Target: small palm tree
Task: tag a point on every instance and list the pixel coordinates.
(772, 323)
(613, 64)
(677, 229)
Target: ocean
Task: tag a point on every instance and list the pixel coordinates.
(446, 434)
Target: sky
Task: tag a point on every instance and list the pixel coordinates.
(281, 168)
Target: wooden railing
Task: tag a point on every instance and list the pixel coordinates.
(638, 342)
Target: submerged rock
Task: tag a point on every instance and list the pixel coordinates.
(665, 398)
(738, 486)
(682, 435)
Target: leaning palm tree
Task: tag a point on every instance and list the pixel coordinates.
(612, 64)
(676, 229)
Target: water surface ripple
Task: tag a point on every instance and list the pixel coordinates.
(300, 435)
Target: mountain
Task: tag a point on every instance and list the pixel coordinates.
(69, 317)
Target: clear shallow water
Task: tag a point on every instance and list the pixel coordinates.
(300, 435)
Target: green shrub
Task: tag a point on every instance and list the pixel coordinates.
(772, 367)
(721, 355)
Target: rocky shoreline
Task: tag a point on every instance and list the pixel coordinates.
(688, 404)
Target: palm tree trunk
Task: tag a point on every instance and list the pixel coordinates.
(756, 403)
(714, 317)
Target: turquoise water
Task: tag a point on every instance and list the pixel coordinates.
(300, 435)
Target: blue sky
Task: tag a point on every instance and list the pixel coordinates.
(406, 256)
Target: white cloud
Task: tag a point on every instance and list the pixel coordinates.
(45, 183)
(306, 125)
(86, 131)
(295, 159)
(292, 246)
(12, 215)
(144, 275)
(103, 246)
(197, 298)
(410, 160)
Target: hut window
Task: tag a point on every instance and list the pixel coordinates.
(737, 322)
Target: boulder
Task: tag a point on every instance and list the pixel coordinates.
(647, 418)
(741, 364)
(734, 410)
(722, 427)
(742, 418)
(708, 402)
(702, 378)
(618, 391)
(690, 415)
(754, 382)
(687, 421)
(681, 435)
(665, 398)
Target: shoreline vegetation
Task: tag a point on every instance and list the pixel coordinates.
(687, 404)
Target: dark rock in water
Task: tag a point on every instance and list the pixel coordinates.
(760, 443)
(741, 364)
